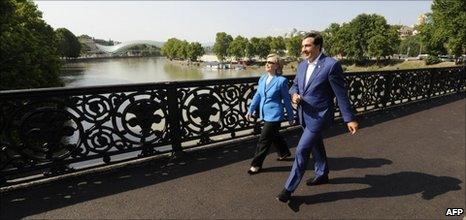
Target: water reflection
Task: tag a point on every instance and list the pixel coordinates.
(177, 72)
(141, 70)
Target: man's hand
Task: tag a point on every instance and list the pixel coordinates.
(296, 98)
(291, 122)
(352, 127)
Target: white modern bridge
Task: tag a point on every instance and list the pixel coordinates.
(125, 45)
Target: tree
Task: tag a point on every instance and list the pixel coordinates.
(382, 45)
(195, 50)
(293, 46)
(237, 47)
(181, 48)
(169, 48)
(445, 27)
(277, 45)
(254, 44)
(432, 37)
(393, 40)
(331, 41)
(249, 50)
(222, 42)
(410, 46)
(364, 30)
(376, 46)
(28, 54)
(349, 42)
(262, 48)
(68, 44)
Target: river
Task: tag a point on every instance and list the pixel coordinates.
(141, 70)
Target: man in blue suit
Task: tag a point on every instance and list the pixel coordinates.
(318, 80)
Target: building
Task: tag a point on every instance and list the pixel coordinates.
(406, 31)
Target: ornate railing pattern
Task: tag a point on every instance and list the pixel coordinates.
(53, 128)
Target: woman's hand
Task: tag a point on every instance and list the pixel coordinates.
(248, 116)
(295, 99)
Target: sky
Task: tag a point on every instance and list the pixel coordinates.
(199, 21)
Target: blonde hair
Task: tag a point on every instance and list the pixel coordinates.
(279, 70)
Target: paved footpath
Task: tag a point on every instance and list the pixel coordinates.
(403, 164)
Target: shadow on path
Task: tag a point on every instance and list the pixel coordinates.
(342, 163)
(397, 184)
(26, 202)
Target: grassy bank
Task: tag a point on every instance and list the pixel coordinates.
(410, 64)
(290, 68)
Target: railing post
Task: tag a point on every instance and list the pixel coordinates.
(388, 89)
(431, 84)
(174, 121)
(461, 79)
(2, 148)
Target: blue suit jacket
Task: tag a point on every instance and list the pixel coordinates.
(316, 110)
(269, 99)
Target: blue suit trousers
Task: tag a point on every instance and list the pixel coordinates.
(310, 142)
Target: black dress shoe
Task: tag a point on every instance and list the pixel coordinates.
(318, 180)
(283, 157)
(284, 196)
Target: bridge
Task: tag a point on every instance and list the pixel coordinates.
(125, 45)
(406, 162)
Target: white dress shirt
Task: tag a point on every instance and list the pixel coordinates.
(267, 81)
(310, 68)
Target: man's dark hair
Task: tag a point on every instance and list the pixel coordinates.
(318, 40)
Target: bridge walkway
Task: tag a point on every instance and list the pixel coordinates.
(403, 163)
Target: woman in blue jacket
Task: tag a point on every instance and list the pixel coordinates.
(271, 97)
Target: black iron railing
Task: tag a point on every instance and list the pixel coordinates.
(51, 129)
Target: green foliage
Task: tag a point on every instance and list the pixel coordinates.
(169, 48)
(277, 45)
(222, 42)
(85, 49)
(109, 42)
(393, 40)
(254, 42)
(262, 48)
(293, 46)
(68, 44)
(432, 59)
(376, 46)
(195, 51)
(178, 49)
(28, 54)
(383, 44)
(363, 37)
(367, 36)
(445, 28)
(181, 49)
(145, 50)
(332, 41)
(410, 46)
(237, 47)
(249, 50)
(432, 38)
